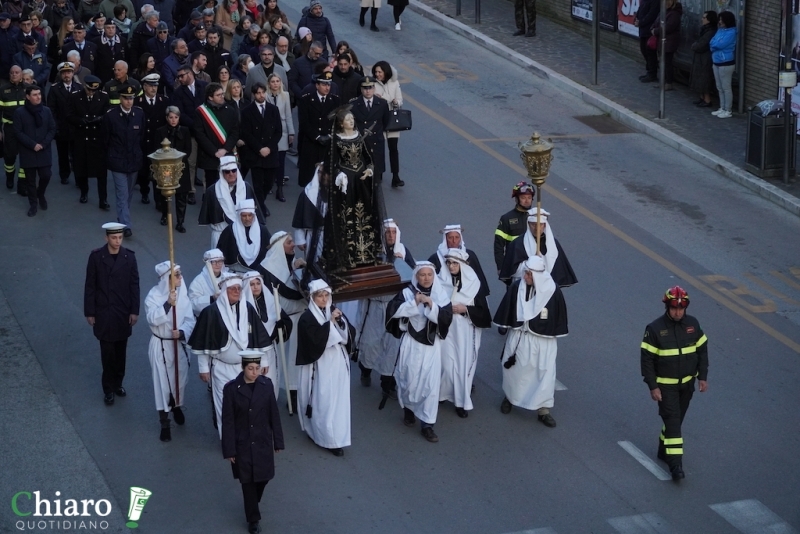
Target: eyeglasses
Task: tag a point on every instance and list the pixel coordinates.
(163, 31)
(229, 171)
(217, 95)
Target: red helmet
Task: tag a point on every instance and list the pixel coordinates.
(522, 188)
(676, 297)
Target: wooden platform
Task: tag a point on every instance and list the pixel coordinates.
(366, 282)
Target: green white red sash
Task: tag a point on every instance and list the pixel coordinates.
(213, 123)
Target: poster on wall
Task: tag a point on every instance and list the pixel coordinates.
(626, 12)
(582, 10)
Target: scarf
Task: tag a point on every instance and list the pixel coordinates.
(238, 331)
(529, 240)
(36, 112)
(267, 299)
(161, 293)
(464, 288)
(543, 287)
(248, 240)
(284, 61)
(223, 193)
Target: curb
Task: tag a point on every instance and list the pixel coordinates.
(621, 114)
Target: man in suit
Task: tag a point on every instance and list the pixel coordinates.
(173, 62)
(160, 45)
(372, 114)
(111, 305)
(188, 96)
(216, 129)
(261, 72)
(111, 48)
(86, 49)
(58, 102)
(85, 115)
(142, 34)
(155, 116)
(35, 129)
(315, 127)
(261, 131)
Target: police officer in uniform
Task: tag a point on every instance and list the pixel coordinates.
(315, 126)
(154, 106)
(514, 223)
(12, 96)
(86, 48)
(85, 115)
(372, 113)
(58, 102)
(674, 355)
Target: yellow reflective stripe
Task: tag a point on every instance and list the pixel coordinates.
(9, 103)
(649, 348)
(674, 450)
(504, 235)
(669, 352)
(673, 441)
(21, 173)
(662, 380)
(7, 121)
(114, 101)
(700, 341)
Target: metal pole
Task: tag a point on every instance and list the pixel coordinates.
(787, 99)
(662, 68)
(740, 53)
(538, 217)
(477, 11)
(458, 8)
(595, 38)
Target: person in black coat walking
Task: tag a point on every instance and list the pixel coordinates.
(261, 131)
(303, 69)
(35, 129)
(180, 139)
(372, 113)
(154, 107)
(111, 47)
(111, 305)
(58, 102)
(251, 432)
(216, 129)
(85, 115)
(315, 127)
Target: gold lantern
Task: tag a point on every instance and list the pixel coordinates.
(537, 154)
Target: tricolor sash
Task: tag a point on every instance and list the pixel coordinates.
(213, 123)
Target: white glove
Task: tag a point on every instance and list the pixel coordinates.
(341, 182)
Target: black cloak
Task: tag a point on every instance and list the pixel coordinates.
(554, 325)
(211, 335)
(562, 272)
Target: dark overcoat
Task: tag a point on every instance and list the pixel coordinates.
(258, 132)
(376, 120)
(86, 118)
(186, 102)
(123, 134)
(314, 122)
(180, 138)
(88, 53)
(155, 117)
(207, 141)
(111, 292)
(29, 135)
(702, 66)
(251, 428)
(58, 102)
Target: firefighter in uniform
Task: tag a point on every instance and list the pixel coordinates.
(674, 355)
(154, 106)
(514, 223)
(86, 112)
(120, 79)
(12, 96)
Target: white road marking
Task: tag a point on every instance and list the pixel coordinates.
(543, 530)
(651, 523)
(560, 386)
(645, 460)
(752, 517)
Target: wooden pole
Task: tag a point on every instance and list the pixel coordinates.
(168, 200)
(538, 217)
(282, 347)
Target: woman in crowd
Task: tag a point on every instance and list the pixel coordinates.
(278, 29)
(261, 40)
(271, 9)
(147, 65)
(702, 66)
(180, 138)
(398, 6)
(234, 95)
(242, 67)
(41, 26)
(57, 42)
(388, 88)
(228, 18)
(300, 48)
(277, 95)
(241, 31)
(723, 55)
(223, 76)
(255, 10)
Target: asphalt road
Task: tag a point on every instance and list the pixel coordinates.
(634, 218)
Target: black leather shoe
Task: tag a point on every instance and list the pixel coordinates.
(648, 79)
(109, 399)
(166, 435)
(518, 33)
(22, 188)
(84, 199)
(145, 199)
(43, 203)
(677, 472)
(391, 393)
(163, 220)
(253, 528)
(397, 182)
(547, 420)
(191, 200)
(662, 454)
(505, 406)
(430, 435)
(531, 33)
(9, 182)
(180, 228)
(374, 28)
(121, 392)
(462, 413)
(337, 452)
(704, 104)
(408, 417)
(127, 232)
(32, 211)
(105, 205)
(366, 380)
(198, 182)
(177, 414)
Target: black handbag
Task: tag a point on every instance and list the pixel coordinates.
(399, 121)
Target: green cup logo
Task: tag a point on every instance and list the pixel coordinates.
(139, 498)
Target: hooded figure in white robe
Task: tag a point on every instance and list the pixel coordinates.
(309, 215)
(222, 330)
(377, 348)
(167, 338)
(264, 304)
(205, 287)
(534, 311)
(244, 243)
(452, 237)
(324, 361)
(279, 263)
(420, 316)
(460, 347)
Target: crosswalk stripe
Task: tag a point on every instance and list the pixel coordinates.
(651, 523)
(643, 459)
(560, 386)
(751, 517)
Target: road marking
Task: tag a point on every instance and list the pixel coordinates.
(690, 280)
(645, 460)
(543, 530)
(753, 278)
(752, 517)
(785, 279)
(560, 386)
(641, 524)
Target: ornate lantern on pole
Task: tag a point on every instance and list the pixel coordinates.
(167, 166)
(536, 154)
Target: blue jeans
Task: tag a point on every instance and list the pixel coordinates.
(123, 186)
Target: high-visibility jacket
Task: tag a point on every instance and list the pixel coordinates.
(12, 96)
(674, 352)
(512, 225)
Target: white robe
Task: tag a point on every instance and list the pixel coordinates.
(530, 382)
(201, 290)
(419, 367)
(162, 351)
(377, 348)
(459, 360)
(329, 425)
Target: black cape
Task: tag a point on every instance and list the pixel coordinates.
(312, 338)
(211, 335)
(479, 313)
(227, 244)
(264, 314)
(211, 211)
(562, 272)
(554, 325)
(426, 336)
(306, 214)
(473, 262)
(409, 259)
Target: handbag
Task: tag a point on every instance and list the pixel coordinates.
(652, 42)
(399, 121)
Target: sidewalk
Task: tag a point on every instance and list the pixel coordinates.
(564, 58)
